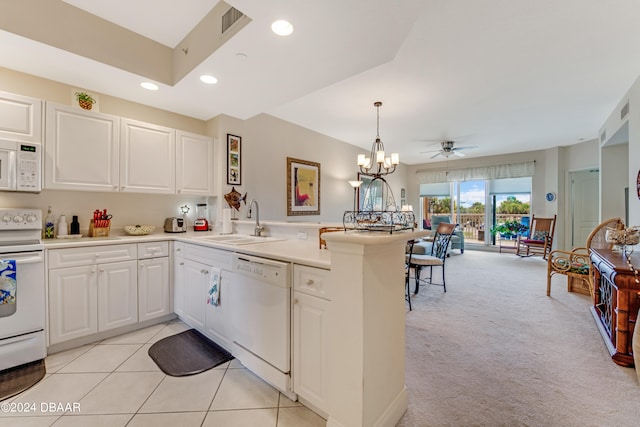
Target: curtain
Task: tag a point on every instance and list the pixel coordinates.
(514, 170)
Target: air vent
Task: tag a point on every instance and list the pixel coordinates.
(624, 111)
(230, 18)
(603, 136)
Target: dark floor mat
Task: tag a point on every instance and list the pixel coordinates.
(187, 353)
(18, 379)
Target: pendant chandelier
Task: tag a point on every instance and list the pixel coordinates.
(377, 209)
(377, 164)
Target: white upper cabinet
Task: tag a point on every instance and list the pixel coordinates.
(98, 152)
(194, 164)
(82, 149)
(20, 118)
(147, 158)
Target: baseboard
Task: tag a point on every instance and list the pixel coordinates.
(395, 410)
(391, 415)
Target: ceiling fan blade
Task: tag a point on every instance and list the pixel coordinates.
(439, 153)
(470, 147)
(457, 152)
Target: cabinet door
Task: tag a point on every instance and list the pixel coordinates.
(310, 348)
(147, 158)
(72, 303)
(82, 149)
(217, 319)
(153, 288)
(194, 164)
(117, 294)
(178, 281)
(20, 118)
(196, 277)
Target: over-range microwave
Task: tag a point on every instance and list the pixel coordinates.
(20, 166)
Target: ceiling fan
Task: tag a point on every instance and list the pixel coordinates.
(448, 149)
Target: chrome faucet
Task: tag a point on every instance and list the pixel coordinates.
(259, 228)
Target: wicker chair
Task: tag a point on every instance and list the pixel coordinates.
(539, 240)
(576, 264)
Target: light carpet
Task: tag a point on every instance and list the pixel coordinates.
(494, 350)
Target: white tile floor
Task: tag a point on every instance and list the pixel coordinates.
(115, 383)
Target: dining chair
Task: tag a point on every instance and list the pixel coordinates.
(407, 271)
(436, 257)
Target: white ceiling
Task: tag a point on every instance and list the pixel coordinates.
(502, 75)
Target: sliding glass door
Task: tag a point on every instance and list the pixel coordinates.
(466, 202)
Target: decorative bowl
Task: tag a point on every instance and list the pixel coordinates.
(629, 236)
(138, 230)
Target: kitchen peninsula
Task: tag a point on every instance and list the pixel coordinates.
(363, 382)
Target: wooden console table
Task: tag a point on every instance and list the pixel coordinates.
(616, 302)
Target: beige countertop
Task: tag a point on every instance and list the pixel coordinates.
(297, 251)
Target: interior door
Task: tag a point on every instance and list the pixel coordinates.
(585, 198)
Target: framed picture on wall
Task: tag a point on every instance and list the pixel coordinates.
(303, 187)
(234, 160)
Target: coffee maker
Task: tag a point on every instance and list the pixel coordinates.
(201, 223)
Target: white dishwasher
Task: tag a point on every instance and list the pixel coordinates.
(261, 318)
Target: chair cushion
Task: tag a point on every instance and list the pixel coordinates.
(539, 235)
(532, 242)
(576, 266)
(425, 260)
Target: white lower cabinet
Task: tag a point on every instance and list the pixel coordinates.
(99, 288)
(194, 268)
(153, 288)
(73, 303)
(311, 301)
(88, 299)
(117, 295)
(154, 284)
(196, 278)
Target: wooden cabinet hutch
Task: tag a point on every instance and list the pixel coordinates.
(616, 302)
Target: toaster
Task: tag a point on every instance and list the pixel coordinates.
(175, 225)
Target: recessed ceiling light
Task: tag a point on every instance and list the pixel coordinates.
(149, 85)
(282, 27)
(210, 80)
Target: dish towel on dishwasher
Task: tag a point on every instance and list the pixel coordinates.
(8, 283)
(213, 297)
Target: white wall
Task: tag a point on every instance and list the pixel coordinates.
(612, 128)
(268, 141)
(614, 177)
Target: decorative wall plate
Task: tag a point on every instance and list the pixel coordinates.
(552, 196)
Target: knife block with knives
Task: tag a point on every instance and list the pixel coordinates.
(100, 225)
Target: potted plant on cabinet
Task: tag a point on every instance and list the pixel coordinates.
(85, 100)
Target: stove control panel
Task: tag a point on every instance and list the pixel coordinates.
(20, 219)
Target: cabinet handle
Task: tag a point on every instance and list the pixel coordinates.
(295, 300)
(178, 250)
(182, 263)
(310, 282)
(102, 270)
(93, 271)
(205, 272)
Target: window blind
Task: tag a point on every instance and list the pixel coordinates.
(513, 170)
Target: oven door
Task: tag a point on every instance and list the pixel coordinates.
(7, 169)
(26, 313)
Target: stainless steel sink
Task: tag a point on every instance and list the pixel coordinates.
(240, 239)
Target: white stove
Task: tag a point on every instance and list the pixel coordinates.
(22, 287)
